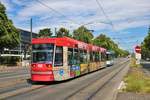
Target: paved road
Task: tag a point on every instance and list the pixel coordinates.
(100, 85)
(13, 75)
(13, 80)
(14, 72)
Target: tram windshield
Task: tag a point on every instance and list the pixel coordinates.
(42, 53)
(109, 57)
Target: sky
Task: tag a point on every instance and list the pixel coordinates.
(125, 21)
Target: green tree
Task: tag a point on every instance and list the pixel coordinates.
(106, 42)
(9, 35)
(83, 34)
(46, 32)
(63, 32)
(146, 46)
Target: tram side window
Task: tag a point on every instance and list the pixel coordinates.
(76, 57)
(70, 56)
(91, 57)
(108, 56)
(83, 56)
(58, 56)
(94, 56)
(97, 56)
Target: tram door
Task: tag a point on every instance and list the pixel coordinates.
(73, 62)
(61, 69)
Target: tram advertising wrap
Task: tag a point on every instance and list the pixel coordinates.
(57, 59)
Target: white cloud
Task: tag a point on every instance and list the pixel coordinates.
(119, 11)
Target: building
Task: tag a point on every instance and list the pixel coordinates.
(26, 36)
(23, 49)
(25, 43)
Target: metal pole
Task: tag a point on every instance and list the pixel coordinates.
(31, 38)
(53, 63)
(55, 34)
(73, 63)
(31, 29)
(20, 51)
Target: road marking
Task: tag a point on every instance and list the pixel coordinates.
(120, 85)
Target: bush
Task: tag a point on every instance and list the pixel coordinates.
(9, 60)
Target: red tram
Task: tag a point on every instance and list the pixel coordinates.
(56, 59)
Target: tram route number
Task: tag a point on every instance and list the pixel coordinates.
(39, 65)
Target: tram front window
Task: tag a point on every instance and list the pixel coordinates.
(42, 47)
(42, 53)
(109, 57)
(42, 56)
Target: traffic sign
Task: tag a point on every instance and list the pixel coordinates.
(138, 49)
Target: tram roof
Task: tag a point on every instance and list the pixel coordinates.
(69, 42)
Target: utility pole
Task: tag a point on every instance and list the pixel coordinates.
(31, 38)
(31, 29)
(55, 33)
(20, 46)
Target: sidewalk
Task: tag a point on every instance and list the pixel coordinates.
(132, 96)
(146, 69)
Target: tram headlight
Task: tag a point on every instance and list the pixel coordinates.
(33, 65)
(48, 65)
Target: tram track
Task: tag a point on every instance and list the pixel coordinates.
(8, 79)
(19, 91)
(14, 77)
(105, 83)
(19, 88)
(13, 87)
(80, 92)
(9, 74)
(12, 80)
